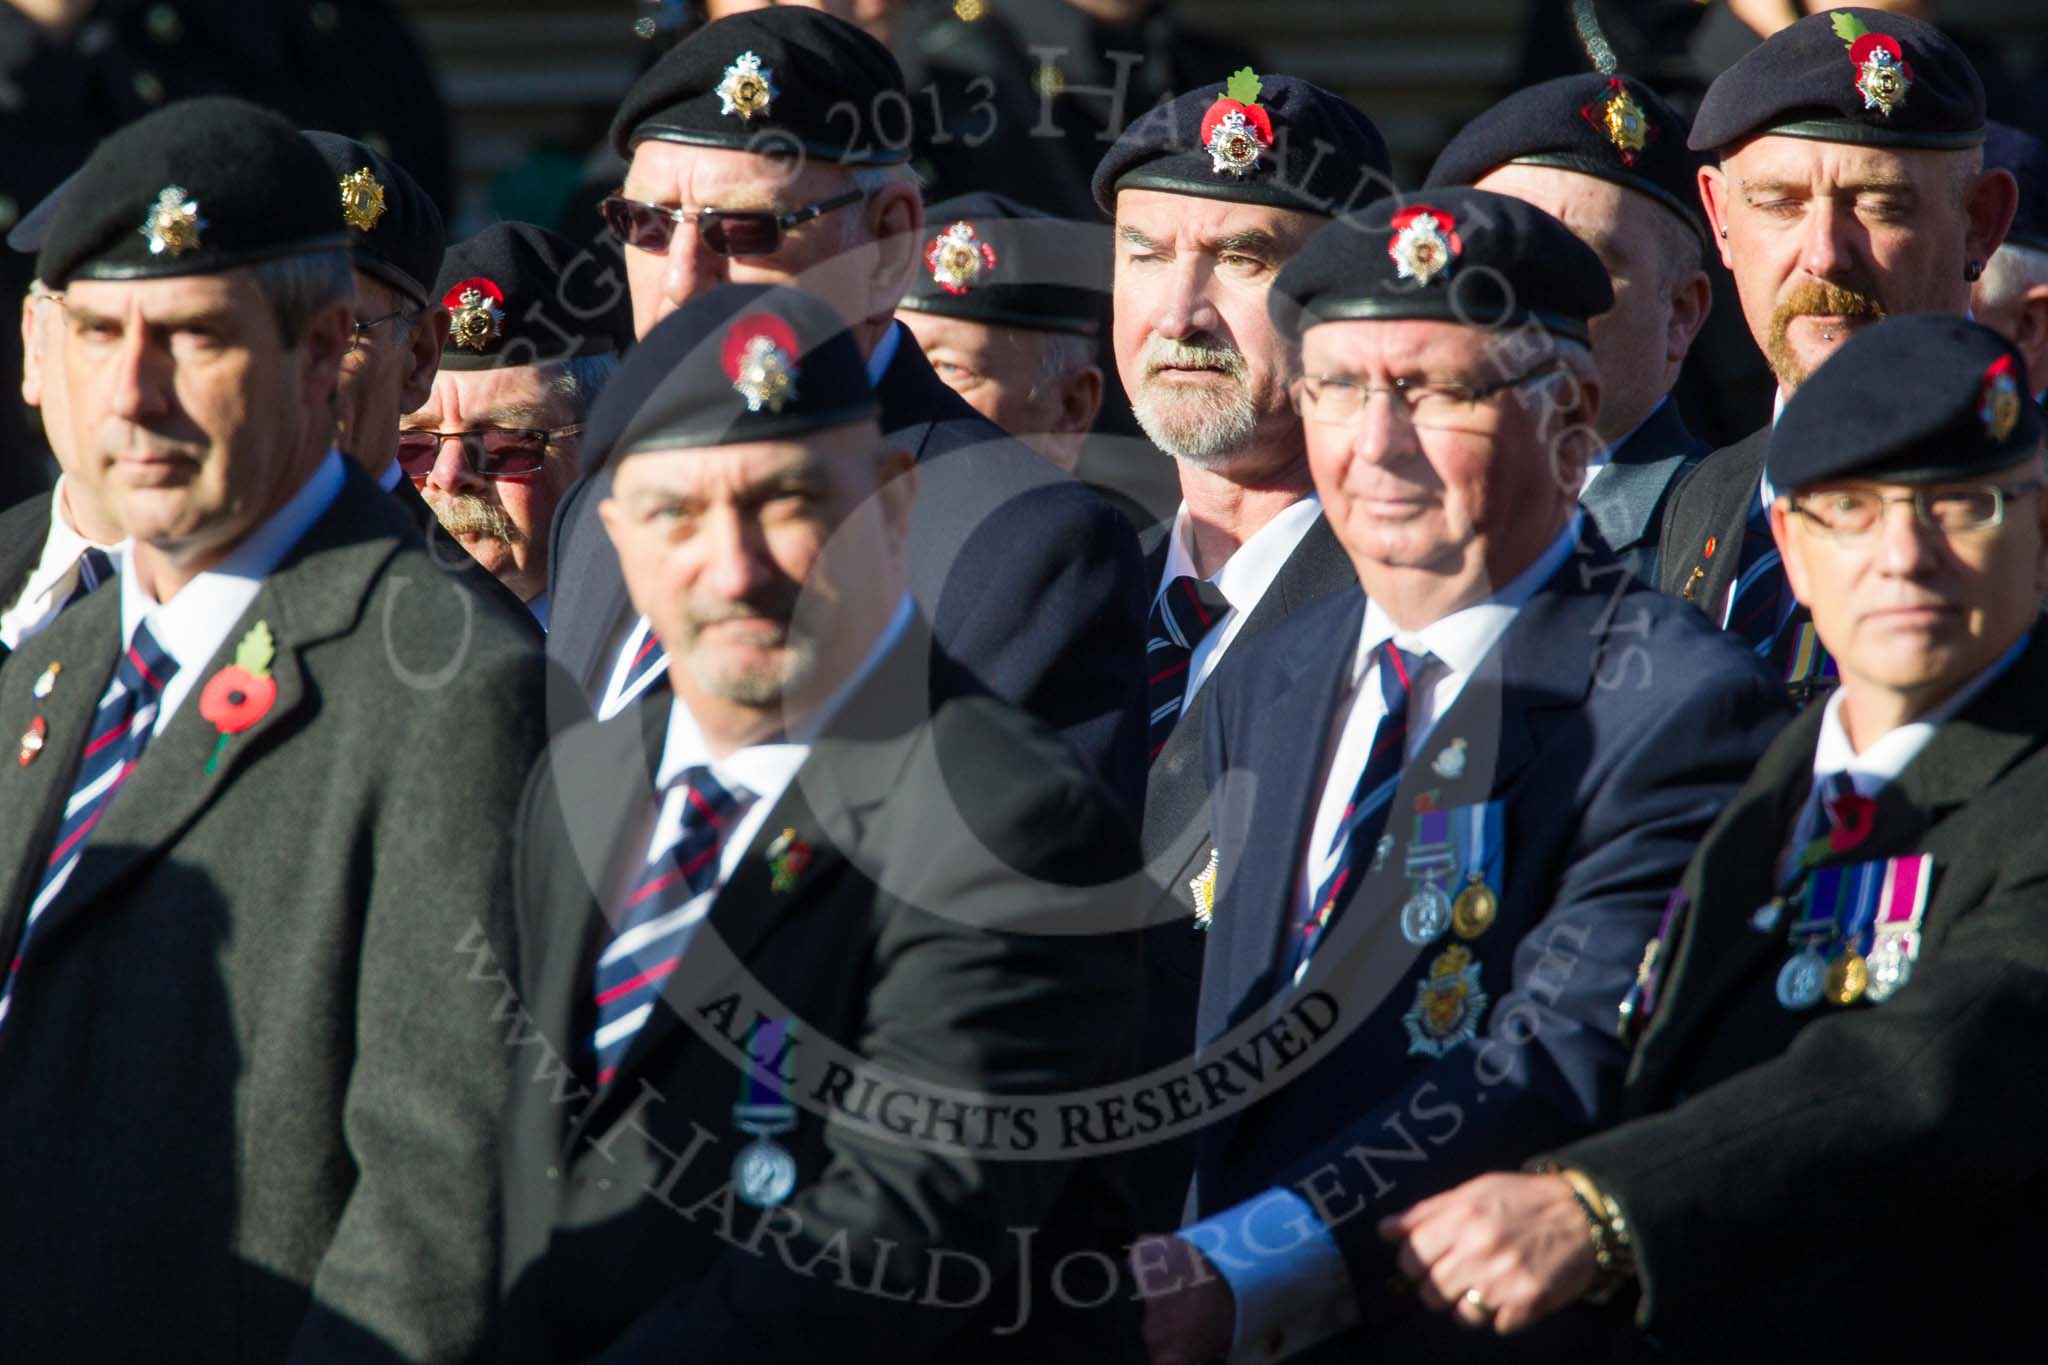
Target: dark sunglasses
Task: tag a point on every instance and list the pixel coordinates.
(728, 232)
(494, 453)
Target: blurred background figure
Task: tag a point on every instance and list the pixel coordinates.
(1008, 307)
(2012, 298)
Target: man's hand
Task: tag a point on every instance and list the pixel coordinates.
(1502, 1251)
(1190, 1313)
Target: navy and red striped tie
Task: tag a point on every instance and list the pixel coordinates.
(1181, 619)
(1365, 817)
(662, 911)
(121, 730)
(95, 567)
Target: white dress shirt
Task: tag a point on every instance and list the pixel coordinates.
(194, 624)
(1283, 1267)
(758, 774)
(50, 582)
(1879, 764)
(1242, 580)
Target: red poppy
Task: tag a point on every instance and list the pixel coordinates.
(1852, 812)
(1860, 50)
(1255, 116)
(235, 699)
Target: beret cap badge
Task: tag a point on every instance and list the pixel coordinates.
(958, 260)
(746, 88)
(1999, 408)
(476, 315)
(1622, 120)
(362, 200)
(1425, 243)
(1236, 129)
(759, 358)
(1883, 75)
(173, 224)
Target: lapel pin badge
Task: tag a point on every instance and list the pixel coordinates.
(1450, 764)
(46, 681)
(32, 740)
(788, 856)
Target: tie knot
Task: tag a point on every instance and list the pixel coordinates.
(1188, 610)
(95, 567)
(707, 801)
(1399, 668)
(147, 668)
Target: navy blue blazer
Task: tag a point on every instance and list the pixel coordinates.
(1035, 586)
(1613, 725)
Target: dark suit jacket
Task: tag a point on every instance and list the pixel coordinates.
(935, 839)
(1612, 725)
(251, 1100)
(1627, 501)
(447, 552)
(1177, 836)
(23, 529)
(1882, 1160)
(1033, 584)
(1712, 504)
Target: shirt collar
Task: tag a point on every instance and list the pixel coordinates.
(1247, 574)
(765, 769)
(539, 607)
(885, 353)
(193, 623)
(1463, 639)
(1887, 756)
(388, 480)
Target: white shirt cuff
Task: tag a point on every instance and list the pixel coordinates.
(1285, 1271)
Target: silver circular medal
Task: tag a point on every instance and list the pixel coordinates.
(1802, 980)
(1426, 915)
(764, 1173)
(1890, 967)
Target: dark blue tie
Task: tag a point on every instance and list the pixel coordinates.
(661, 913)
(95, 567)
(1365, 817)
(639, 660)
(1181, 619)
(120, 732)
(1761, 601)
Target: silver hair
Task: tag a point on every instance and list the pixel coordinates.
(298, 287)
(580, 380)
(872, 180)
(1061, 354)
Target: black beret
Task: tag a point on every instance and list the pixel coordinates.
(394, 230)
(1454, 254)
(520, 295)
(197, 187)
(28, 234)
(1259, 140)
(1611, 127)
(2026, 157)
(1914, 399)
(776, 80)
(991, 259)
(1847, 75)
(744, 362)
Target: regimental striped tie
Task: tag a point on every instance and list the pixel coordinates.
(1181, 619)
(1358, 832)
(120, 732)
(95, 567)
(1761, 602)
(662, 911)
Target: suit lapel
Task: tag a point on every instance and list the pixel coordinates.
(314, 595)
(1623, 501)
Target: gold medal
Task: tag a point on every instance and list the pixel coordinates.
(1475, 910)
(1848, 978)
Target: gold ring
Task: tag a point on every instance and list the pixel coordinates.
(1477, 1302)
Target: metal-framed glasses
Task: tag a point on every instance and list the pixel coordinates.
(1430, 403)
(491, 452)
(727, 232)
(1949, 508)
(359, 330)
